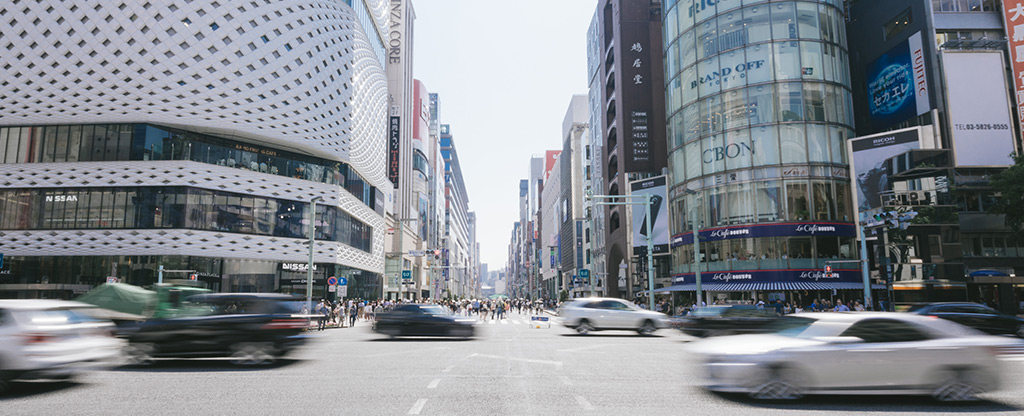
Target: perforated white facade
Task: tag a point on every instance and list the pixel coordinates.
(296, 75)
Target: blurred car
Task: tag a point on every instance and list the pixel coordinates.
(595, 314)
(52, 339)
(250, 328)
(977, 316)
(423, 320)
(857, 353)
(727, 320)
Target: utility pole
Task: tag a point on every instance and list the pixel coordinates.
(312, 240)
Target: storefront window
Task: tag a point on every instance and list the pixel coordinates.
(687, 49)
(710, 116)
(797, 204)
(814, 101)
(843, 202)
(824, 207)
(759, 63)
(761, 104)
(783, 21)
(706, 36)
(758, 22)
(827, 249)
(817, 143)
(787, 60)
(793, 143)
(693, 160)
(769, 201)
(742, 254)
(734, 109)
(689, 77)
(741, 204)
(800, 254)
(771, 252)
(715, 255)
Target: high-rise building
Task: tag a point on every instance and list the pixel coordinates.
(937, 98)
(625, 66)
(549, 227)
(759, 110)
(574, 228)
(456, 256)
(191, 136)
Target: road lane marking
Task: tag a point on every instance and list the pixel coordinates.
(403, 352)
(566, 381)
(557, 364)
(433, 384)
(504, 322)
(589, 347)
(417, 407)
(447, 369)
(583, 402)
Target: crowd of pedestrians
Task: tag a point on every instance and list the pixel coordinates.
(345, 314)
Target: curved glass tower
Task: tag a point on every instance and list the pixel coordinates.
(759, 109)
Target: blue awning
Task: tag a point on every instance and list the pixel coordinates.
(765, 286)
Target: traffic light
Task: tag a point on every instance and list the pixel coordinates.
(437, 254)
(193, 276)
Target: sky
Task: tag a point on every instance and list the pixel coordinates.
(504, 72)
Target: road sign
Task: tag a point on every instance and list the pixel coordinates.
(342, 281)
(111, 279)
(1, 259)
(332, 288)
(537, 321)
(343, 291)
(585, 273)
(406, 274)
(417, 253)
(332, 281)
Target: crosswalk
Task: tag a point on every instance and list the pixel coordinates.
(505, 321)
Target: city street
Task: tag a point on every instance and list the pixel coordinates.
(509, 368)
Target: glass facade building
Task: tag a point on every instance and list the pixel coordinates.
(759, 110)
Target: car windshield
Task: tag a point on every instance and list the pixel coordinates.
(434, 310)
(54, 317)
(804, 328)
(708, 312)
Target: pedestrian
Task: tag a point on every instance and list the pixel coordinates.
(840, 306)
(353, 313)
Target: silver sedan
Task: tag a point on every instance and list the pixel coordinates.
(857, 353)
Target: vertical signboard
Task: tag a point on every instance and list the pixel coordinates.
(394, 143)
(898, 84)
(1013, 16)
(869, 154)
(655, 189)
(636, 102)
(979, 110)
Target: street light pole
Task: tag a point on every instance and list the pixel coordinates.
(696, 245)
(633, 200)
(312, 240)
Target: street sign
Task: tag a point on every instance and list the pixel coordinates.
(342, 281)
(417, 253)
(406, 274)
(1, 259)
(332, 288)
(332, 281)
(585, 273)
(111, 279)
(343, 291)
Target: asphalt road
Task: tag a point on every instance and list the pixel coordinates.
(509, 368)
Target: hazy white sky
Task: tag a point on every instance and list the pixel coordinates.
(505, 72)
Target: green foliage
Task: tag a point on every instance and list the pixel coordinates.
(563, 296)
(1010, 185)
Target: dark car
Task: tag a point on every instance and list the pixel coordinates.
(977, 316)
(727, 320)
(250, 328)
(423, 320)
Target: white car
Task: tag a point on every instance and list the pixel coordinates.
(857, 353)
(52, 339)
(592, 314)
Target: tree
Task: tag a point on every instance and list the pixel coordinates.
(1010, 185)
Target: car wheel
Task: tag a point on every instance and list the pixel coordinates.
(584, 327)
(647, 328)
(5, 381)
(780, 383)
(252, 353)
(1020, 331)
(138, 353)
(956, 386)
(461, 332)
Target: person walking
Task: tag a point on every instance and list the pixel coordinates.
(353, 313)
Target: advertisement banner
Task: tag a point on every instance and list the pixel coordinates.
(394, 142)
(898, 84)
(979, 110)
(869, 154)
(821, 229)
(1013, 16)
(550, 157)
(655, 189)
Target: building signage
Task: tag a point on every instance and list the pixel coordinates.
(771, 276)
(640, 136)
(898, 84)
(869, 154)
(395, 33)
(579, 244)
(730, 151)
(978, 107)
(394, 143)
(296, 267)
(769, 230)
(726, 75)
(61, 198)
(1013, 16)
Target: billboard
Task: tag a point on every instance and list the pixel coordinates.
(421, 116)
(898, 84)
(978, 108)
(1013, 16)
(656, 189)
(394, 144)
(869, 154)
(550, 157)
